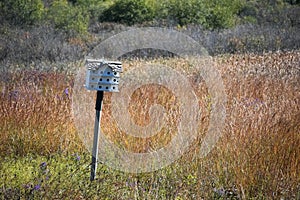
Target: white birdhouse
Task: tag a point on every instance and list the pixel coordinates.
(103, 75)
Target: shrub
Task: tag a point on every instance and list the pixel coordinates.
(95, 8)
(274, 13)
(128, 12)
(68, 17)
(183, 12)
(41, 44)
(222, 14)
(210, 14)
(293, 2)
(21, 12)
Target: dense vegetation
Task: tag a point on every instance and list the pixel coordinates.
(76, 15)
(255, 44)
(42, 156)
(52, 31)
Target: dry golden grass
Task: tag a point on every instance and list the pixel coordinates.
(263, 122)
(35, 113)
(259, 153)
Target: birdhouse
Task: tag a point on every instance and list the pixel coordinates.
(103, 75)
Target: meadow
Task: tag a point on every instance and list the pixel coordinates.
(258, 156)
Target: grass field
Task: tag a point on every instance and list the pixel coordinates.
(258, 156)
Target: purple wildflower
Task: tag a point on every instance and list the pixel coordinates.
(67, 91)
(77, 157)
(37, 187)
(43, 165)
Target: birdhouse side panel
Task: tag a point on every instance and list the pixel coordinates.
(102, 80)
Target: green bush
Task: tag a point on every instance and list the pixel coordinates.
(68, 17)
(95, 8)
(293, 2)
(22, 12)
(128, 12)
(222, 13)
(274, 13)
(212, 14)
(183, 12)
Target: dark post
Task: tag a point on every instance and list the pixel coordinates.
(98, 108)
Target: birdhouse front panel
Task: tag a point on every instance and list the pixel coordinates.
(104, 76)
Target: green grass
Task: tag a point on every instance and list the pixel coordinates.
(60, 177)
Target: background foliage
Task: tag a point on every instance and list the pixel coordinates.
(128, 12)
(77, 15)
(21, 12)
(39, 31)
(67, 17)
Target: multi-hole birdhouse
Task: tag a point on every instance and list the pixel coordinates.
(103, 75)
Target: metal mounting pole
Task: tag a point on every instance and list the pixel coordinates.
(98, 108)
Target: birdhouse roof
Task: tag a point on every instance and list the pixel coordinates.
(95, 64)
